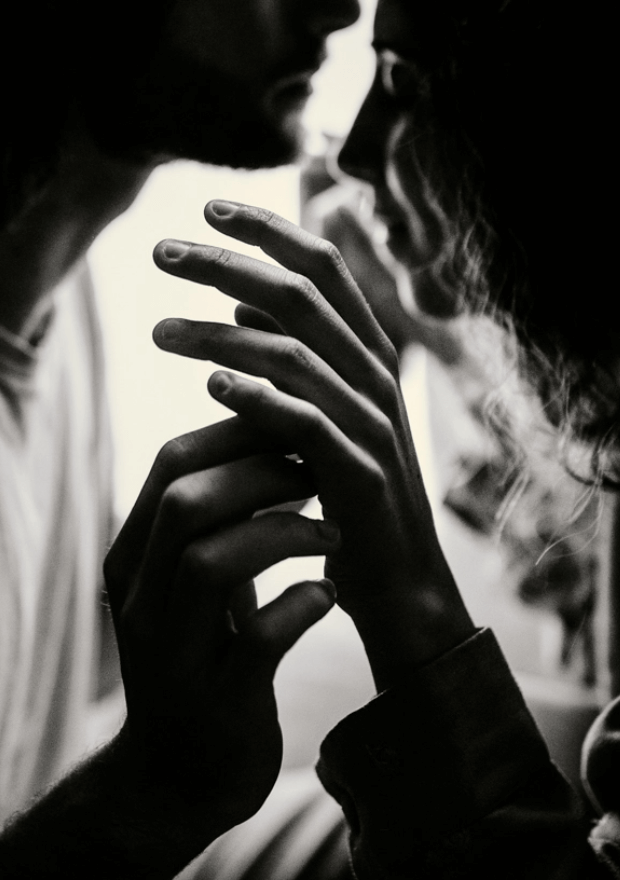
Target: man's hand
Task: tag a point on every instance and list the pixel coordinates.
(197, 657)
(336, 402)
(201, 746)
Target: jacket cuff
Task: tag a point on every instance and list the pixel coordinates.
(447, 746)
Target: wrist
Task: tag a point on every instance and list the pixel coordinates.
(169, 821)
(161, 790)
(405, 627)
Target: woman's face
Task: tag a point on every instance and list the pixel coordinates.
(379, 150)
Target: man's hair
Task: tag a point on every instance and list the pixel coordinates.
(33, 59)
(513, 129)
(54, 55)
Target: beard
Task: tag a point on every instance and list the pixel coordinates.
(173, 108)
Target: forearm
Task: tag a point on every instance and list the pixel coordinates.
(106, 822)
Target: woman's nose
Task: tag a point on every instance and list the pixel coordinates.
(364, 152)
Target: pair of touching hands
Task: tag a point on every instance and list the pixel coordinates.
(198, 658)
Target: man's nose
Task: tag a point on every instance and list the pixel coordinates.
(326, 16)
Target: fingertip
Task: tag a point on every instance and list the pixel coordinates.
(167, 331)
(311, 601)
(314, 599)
(276, 627)
(219, 383)
(158, 252)
(158, 332)
(170, 250)
(220, 209)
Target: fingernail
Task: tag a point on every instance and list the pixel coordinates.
(175, 250)
(222, 209)
(169, 330)
(220, 383)
(329, 530)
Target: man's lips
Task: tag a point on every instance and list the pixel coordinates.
(294, 80)
(300, 69)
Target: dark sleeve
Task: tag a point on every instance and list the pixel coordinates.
(601, 771)
(446, 776)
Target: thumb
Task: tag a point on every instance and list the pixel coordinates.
(275, 627)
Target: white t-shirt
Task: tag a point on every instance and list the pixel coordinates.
(55, 523)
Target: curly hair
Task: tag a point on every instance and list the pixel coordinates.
(514, 131)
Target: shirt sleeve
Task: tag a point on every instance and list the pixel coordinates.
(601, 770)
(446, 776)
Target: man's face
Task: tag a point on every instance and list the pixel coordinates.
(223, 82)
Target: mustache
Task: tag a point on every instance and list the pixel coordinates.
(308, 56)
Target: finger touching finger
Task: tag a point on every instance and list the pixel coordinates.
(274, 628)
(212, 567)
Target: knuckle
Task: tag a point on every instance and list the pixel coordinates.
(264, 221)
(186, 502)
(175, 500)
(387, 391)
(329, 256)
(389, 357)
(392, 452)
(312, 423)
(295, 354)
(384, 431)
(262, 215)
(169, 459)
(197, 563)
(376, 483)
(300, 291)
(219, 256)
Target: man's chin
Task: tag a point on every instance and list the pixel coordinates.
(270, 147)
(186, 116)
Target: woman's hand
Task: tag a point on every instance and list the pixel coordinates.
(197, 657)
(336, 402)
